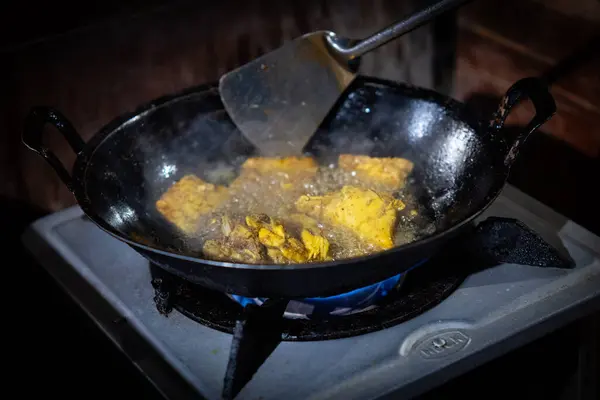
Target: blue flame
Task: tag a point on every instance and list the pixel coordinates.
(358, 298)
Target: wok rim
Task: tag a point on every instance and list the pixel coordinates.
(90, 147)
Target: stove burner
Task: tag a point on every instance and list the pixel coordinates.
(257, 330)
(421, 289)
(355, 301)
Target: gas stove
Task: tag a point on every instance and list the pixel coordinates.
(434, 323)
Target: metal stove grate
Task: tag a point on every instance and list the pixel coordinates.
(257, 330)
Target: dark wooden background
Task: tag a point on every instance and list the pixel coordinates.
(96, 62)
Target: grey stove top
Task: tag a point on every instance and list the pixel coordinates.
(493, 311)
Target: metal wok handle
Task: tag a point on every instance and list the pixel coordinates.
(534, 89)
(32, 137)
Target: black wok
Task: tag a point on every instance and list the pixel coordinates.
(461, 165)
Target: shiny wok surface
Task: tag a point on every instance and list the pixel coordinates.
(134, 164)
(456, 175)
(460, 166)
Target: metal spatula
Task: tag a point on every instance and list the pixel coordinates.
(279, 100)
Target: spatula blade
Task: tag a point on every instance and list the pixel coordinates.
(279, 100)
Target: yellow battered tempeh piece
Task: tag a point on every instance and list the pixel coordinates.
(390, 172)
(187, 200)
(370, 215)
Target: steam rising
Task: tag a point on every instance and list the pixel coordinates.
(193, 135)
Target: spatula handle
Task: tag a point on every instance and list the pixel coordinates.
(399, 28)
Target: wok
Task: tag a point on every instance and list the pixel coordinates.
(461, 165)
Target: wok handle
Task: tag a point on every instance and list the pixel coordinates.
(33, 132)
(534, 89)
